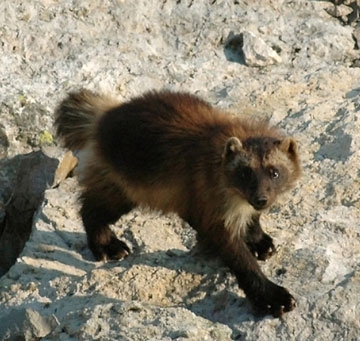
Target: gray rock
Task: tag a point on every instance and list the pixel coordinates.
(356, 35)
(4, 143)
(347, 11)
(35, 173)
(2, 217)
(257, 52)
(167, 288)
(26, 324)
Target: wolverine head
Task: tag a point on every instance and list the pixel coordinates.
(258, 169)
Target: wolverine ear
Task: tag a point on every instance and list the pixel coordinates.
(289, 146)
(232, 147)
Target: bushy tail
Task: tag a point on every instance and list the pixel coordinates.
(77, 115)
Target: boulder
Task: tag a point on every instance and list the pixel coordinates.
(168, 288)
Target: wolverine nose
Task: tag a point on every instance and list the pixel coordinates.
(260, 202)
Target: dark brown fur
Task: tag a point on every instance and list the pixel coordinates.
(175, 153)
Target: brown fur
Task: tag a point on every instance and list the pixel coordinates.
(175, 153)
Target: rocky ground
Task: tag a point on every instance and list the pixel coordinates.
(295, 62)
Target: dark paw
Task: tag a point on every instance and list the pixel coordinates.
(262, 249)
(115, 249)
(272, 299)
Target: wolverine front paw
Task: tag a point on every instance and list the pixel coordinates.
(115, 249)
(262, 249)
(272, 299)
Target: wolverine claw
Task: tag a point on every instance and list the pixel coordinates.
(274, 300)
(115, 249)
(262, 249)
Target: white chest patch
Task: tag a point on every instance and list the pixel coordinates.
(238, 215)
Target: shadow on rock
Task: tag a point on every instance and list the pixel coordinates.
(233, 48)
(207, 299)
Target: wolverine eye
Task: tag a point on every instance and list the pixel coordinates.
(246, 173)
(274, 173)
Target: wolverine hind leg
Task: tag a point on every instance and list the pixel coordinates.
(101, 207)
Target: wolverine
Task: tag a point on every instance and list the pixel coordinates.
(174, 152)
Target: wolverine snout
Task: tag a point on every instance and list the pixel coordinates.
(260, 202)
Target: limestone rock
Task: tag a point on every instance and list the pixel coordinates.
(32, 181)
(26, 324)
(356, 35)
(347, 11)
(257, 52)
(168, 288)
(35, 173)
(4, 143)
